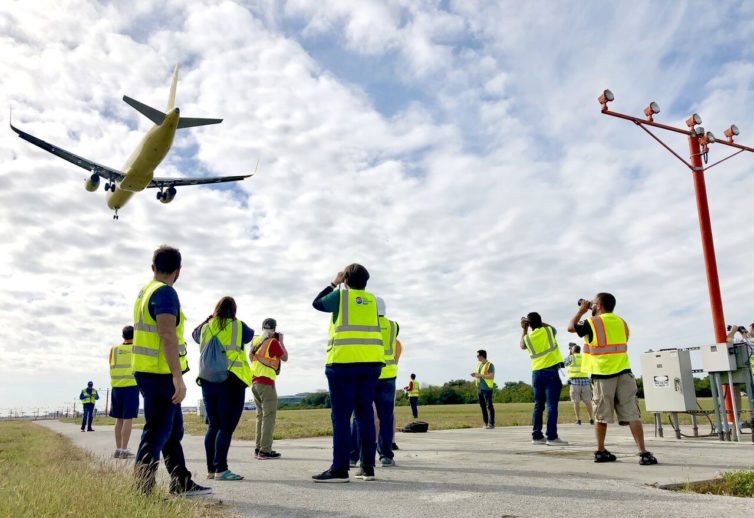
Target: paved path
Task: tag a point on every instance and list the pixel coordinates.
(470, 473)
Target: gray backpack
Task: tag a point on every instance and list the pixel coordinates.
(213, 363)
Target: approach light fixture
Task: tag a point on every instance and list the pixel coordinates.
(651, 110)
(709, 138)
(731, 132)
(693, 120)
(606, 97)
(699, 130)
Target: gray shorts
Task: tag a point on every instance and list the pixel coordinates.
(581, 393)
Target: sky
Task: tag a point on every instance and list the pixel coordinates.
(454, 148)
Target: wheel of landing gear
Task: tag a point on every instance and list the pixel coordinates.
(159, 195)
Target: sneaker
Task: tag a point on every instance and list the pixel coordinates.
(647, 459)
(83, 430)
(578, 421)
(192, 489)
(272, 454)
(365, 474)
(330, 477)
(604, 456)
(353, 463)
(486, 426)
(256, 453)
(491, 427)
(557, 441)
(386, 462)
(539, 441)
(116, 455)
(90, 429)
(591, 421)
(126, 454)
(395, 447)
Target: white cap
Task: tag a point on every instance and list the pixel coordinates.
(380, 307)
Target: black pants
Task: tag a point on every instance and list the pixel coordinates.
(224, 404)
(488, 410)
(414, 402)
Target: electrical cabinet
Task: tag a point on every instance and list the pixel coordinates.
(668, 381)
(719, 358)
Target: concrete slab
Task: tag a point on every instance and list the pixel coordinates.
(469, 473)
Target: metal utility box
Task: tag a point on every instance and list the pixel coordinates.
(718, 358)
(668, 381)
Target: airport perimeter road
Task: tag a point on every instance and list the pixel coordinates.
(469, 473)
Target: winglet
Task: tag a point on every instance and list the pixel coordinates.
(171, 98)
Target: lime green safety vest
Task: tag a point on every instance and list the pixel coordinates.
(121, 371)
(484, 368)
(607, 353)
(543, 348)
(231, 338)
(414, 389)
(89, 398)
(389, 331)
(574, 368)
(356, 337)
(148, 355)
(263, 365)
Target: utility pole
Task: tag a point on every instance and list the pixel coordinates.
(698, 141)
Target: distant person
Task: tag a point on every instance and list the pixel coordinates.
(546, 360)
(578, 383)
(355, 357)
(124, 400)
(746, 338)
(159, 362)
(223, 400)
(606, 359)
(88, 396)
(267, 351)
(413, 392)
(484, 378)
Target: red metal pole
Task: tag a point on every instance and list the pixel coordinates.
(708, 246)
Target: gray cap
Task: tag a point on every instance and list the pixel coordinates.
(269, 323)
(380, 307)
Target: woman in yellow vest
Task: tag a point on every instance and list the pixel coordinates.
(124, 404)
(224, 401)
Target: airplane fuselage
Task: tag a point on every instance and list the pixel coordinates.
(140, 166)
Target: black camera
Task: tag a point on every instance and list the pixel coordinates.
(581, 301)
(741, 329)
(525, 320)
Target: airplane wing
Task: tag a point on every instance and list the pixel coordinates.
(160, 183)
(99, 169)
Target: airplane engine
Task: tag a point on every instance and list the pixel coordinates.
(168, 195)
(92, 183)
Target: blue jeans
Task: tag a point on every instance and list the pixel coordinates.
(384, 402)
(224, 405)
(547, 386)
(414, 402)
(163, 431)
(352, 390)
(86, 418)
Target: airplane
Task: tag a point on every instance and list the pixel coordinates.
(137, 173)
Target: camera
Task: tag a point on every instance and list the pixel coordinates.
(741, 329)
(525, 320)
(581, 301)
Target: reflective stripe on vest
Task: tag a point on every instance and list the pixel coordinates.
(607, 352)
(147, 351)
(389, 331)
(574, 368)
(484, 368)
(263, 365)
(121, 369)
(355, 337)
(88, 398)
(414, 392)
(543, 348)
(231, 338)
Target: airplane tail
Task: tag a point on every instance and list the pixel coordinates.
(171, 98)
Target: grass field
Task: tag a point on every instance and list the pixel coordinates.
(43, 474)
(295, 424)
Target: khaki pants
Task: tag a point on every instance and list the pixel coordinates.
(266, 400)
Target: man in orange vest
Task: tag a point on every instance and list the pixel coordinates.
(605, 357)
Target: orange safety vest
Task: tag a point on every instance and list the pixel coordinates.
(262, 364)
(607, 352)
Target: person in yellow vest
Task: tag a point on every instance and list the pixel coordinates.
(159, 362)
(88, 396)
(746, 338)
(124, 398)
(605, 358)
(224, 400)
(546, 360)
(355, 358)
(578, 383)
(413, 392)
(484, 378)
(267, 352)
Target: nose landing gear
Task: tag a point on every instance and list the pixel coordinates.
(115, 216)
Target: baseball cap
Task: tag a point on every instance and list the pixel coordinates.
(380, 307)
(269, 323)
(91, 383)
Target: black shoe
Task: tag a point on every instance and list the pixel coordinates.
(256, 452)
(264, 455)
(83, 430)
(90, 429)
(578, 421)
(604, 456)
(647, 459)
(395, 447)
(365, 474)
(191, 489)
(330, 477)
(591, 421)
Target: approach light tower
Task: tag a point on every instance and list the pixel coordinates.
(699, 141)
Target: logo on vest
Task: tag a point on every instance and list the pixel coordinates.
(359, 301)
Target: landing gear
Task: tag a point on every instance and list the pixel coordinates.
(159, 195)
(110, 186)
(115, 216)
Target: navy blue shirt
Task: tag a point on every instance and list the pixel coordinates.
(164, 301)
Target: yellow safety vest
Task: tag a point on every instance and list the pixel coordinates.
(389, 331)
(231, 338)
(88, 398)
(414, 392)
(148, 355)
(121, 371)
(574, 368)
(263, 365)
(484, 368)
(607, 352)
(356, 337)
(543, 348)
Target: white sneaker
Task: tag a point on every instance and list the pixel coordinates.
(126, 454)
(539, 441)
(557, 442)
